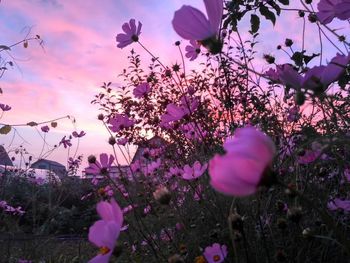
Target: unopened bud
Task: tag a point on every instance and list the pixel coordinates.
(92, 159)
(162, 195)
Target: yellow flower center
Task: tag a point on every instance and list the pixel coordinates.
(104, 250)
(101, 191)
(200, 259)
(216, 258)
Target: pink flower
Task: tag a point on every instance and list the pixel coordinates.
(317, 78)
(131, 34)
(339, 204)
(120, 122)
(101, 167)
(191, 24)
(104, 233)
(191, 173)
(239, 172)
(309, 156)
(293, 114)
(141, 90)
(147, 209)
(78, 135)
(329, 9)
(122, 141)
(343, 10)
(289, 77)
(66, 142)
(4, 107)
(216, 253)
(193, 50)
(193, 131)
(347, 174)
(174, 113)
(326, 10)
(45, 128)
(272, 75)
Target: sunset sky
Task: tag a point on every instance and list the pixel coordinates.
(80, 53)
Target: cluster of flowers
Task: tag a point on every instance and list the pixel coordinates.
(246, 163)
(10, 209)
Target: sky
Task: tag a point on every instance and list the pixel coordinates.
(79, 54)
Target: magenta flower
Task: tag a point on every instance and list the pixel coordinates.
(141, 90)
(293, 114)
(104, 233)
(4, 107)
(101, 167)
(122, 141)
(120, 122)
(309, 156)
(66, 142)
(289, 77)
(191, 24)
(191, 173)
(272, 75)
(339, 204)
(216, 253)
(334, 69)
(193, 50)
(343, 10)
(317, 78)
(347, 174)
(78, 135)
(326, 10)
(174, 113)
(193, 131)
(239, 172)
(329, 9)
(45, 128)
(131, 34)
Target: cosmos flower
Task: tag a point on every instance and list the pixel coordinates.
(78, 135)
(4, 107)
(193, 172)
(131, 33)
(66, 142)
(317, 78)
(45, 128)
(329, 9)
(191, 24)
(193, 50)
(326, 10)
(120, 122)
(141, 90)
(239, 172)
(104, 233)
(215, 253)
(337, 203)
(101, 167)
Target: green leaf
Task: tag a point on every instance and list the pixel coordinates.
(285, 2)
(267, 14)
(255, 23)
(5, 129)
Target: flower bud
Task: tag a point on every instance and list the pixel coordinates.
(235, 221)
(294, 214)
(112, 140)
(176, 259)
(92, 159)
(162, 195)
(288, 42)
